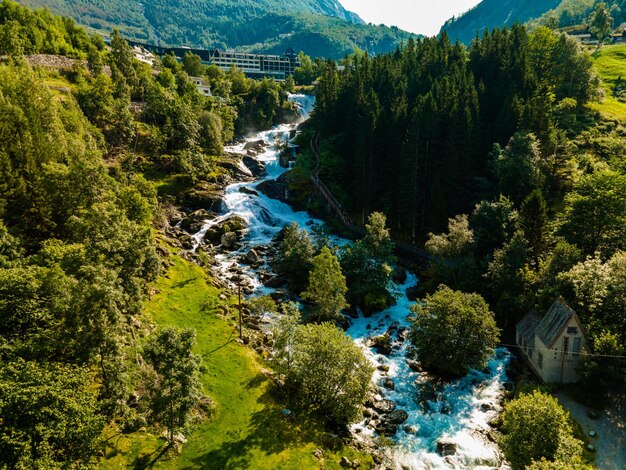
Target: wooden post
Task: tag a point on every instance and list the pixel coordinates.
(240, 313)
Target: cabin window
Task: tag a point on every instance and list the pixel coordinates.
(565, 344)
(540, 360)
(572, 330)
(576, 348)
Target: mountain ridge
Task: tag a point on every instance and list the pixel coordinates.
(319, 27)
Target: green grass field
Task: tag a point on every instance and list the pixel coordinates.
(610, 61)
(247, 430)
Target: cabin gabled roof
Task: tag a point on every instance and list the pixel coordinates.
(552, 324)
(526, 327)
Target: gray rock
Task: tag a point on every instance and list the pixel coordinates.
(397, 416)
(246, 190)
(256, 167)
(387, 428)
(228, 240)
(446, 447)
(389, 384)
(252, 257)
(384, 406)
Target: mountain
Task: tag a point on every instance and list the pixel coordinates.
(319, 27)
(490, 14)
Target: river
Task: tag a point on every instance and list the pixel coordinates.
(456, 414)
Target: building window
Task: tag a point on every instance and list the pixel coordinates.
(566, 344)
(540, 360)
(572, 330)
(576, 348)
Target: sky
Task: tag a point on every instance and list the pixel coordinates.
(418, 16)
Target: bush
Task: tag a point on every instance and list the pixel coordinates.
(454, 331)
(327, 371)
(536, 427)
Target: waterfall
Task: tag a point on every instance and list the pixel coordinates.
(457, 412)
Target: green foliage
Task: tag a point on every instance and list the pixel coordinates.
(327, 287)
(594, 218)
(328, 372)
(177, 388)
(536, 427)
(600, 22)
(49, 417)
(26, 31)
(452, 253)
(533, 218)
(454, 331)
(602, 374)
(367, 266)
(410, 132)
(295, 257)
(516, 167)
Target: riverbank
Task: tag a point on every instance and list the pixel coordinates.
(247, 428)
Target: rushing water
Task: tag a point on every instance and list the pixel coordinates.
(457, 412)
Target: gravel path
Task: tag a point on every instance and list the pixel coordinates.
(610, 426)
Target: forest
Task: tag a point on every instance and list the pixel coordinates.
(492, 158)
(121, 345)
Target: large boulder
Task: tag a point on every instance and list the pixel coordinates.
(256, 167)
(446, 447)
(194, 222)
(256, 146)
(384, 406)
(229, 240)
(385, 428)
(397, 416)
(246, 190)
(276, 189)
(251, 257)
(413, 292)
(203, 198)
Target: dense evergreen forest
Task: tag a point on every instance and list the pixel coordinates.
(491, 157)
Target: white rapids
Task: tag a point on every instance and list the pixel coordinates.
(458, 412)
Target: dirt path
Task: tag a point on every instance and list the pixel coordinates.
(610, 427)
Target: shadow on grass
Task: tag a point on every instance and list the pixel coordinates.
(186, 282)
(148, 460)
(268, 432)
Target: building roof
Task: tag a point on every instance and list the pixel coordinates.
(552, 324)
(526, 327)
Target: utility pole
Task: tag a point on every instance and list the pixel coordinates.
(239, 307)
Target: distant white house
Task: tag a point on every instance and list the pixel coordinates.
(203, 86)
(553, 345)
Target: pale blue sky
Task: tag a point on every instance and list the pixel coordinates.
(417, 16)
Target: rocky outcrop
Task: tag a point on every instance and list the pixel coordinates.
(203, 197)
(194, 222)
(256, 167)
(276, 189)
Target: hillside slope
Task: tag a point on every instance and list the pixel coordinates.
(490, 14)
(319, 27)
